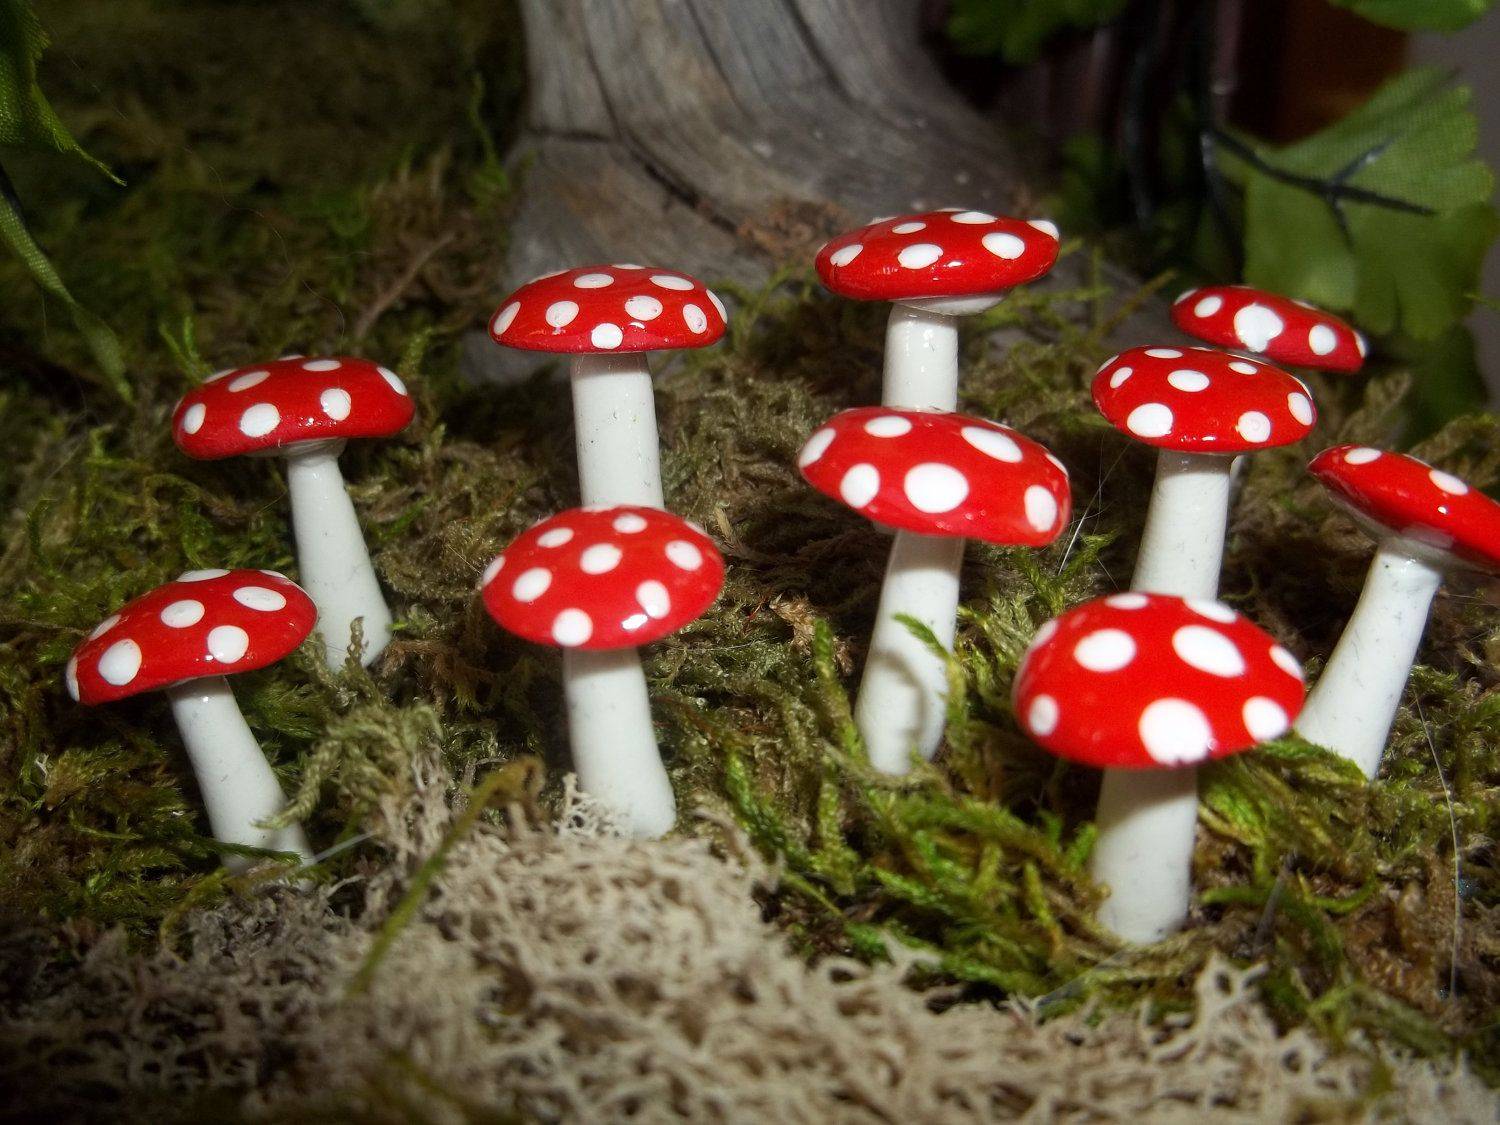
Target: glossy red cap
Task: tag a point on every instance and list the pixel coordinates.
(938, 473)
(949, 253)
(1198, 400)
(1391, 493)
(207, 623)
(1281, 329)
(289, 401)
(603, 578)
(610, 309)
(1149, 681)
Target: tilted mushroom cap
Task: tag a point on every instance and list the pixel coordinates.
(1198, 400)
(1281, 329)
(299, 399)
(949, 253)
(1391, 493)
(206, 623)
(603, 578)
(610, 309)
(1152, 681)
(939, 473)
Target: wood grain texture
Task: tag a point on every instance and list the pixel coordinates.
(725, 137)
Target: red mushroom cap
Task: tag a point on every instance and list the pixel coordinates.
(603, 578)
(1281, 329)
(610, 309)
(1198, 400)
(1394, 493)
(938, 473)
(1151, 681)
(289, 401)
(949, 253)
(206, 623)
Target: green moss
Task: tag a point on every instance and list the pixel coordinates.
(229, 247)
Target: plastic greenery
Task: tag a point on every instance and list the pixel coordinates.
(1017, 30)
(1386, 214)
(1420, 15)
(27, 122)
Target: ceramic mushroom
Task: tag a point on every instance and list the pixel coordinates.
(934, 267)
(1198, 407)
(599, 582)
(185, 638)
(1284, 331)
(304, 409)
(1148, 686)
(607, 318)
(937, 478)
(1425, 522)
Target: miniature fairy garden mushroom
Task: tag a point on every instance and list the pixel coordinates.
(598, 582)
(934, 267)
(607, 318)
(937, 478)
(1198, 407)
(1425, 522)
(184, 638)
(1243, 318)
(304, 409)
(1149, 685)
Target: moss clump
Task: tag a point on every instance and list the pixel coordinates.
(1373, 907)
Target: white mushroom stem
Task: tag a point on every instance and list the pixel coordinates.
(235, 780)
(332, 560)
(921, 359)
(614, 744)
(1182, 545)
(1351, 707)
(902, 700)
(614, 423)
(1144, 854)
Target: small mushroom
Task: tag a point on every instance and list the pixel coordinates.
(304, 409)
(1146, 686)
(1199, 407)
(1425, 522)
(598, 582)
(607, 318)
(934, 267)
(938, 478)
(1242, 318)
(185, 637)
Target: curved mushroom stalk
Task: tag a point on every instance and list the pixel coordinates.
(614, 422)
(331, 555)
(613, 741)
(1147, 822)
(1182, 544)
(901, 705)
(239, 789)
(1351, 708)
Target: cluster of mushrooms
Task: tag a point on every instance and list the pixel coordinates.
(1143, 684)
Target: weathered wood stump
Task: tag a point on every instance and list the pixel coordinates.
(726, 137)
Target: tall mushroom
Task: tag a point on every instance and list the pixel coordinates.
(607, 318)
(1198, 407)
(938, 478)
(934, 267)
(1243, 318)
(599, 582)
(304, 409)
(1424, 522)
(186, 637)
(1151, 685)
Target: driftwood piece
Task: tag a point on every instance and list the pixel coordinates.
(725, 137)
